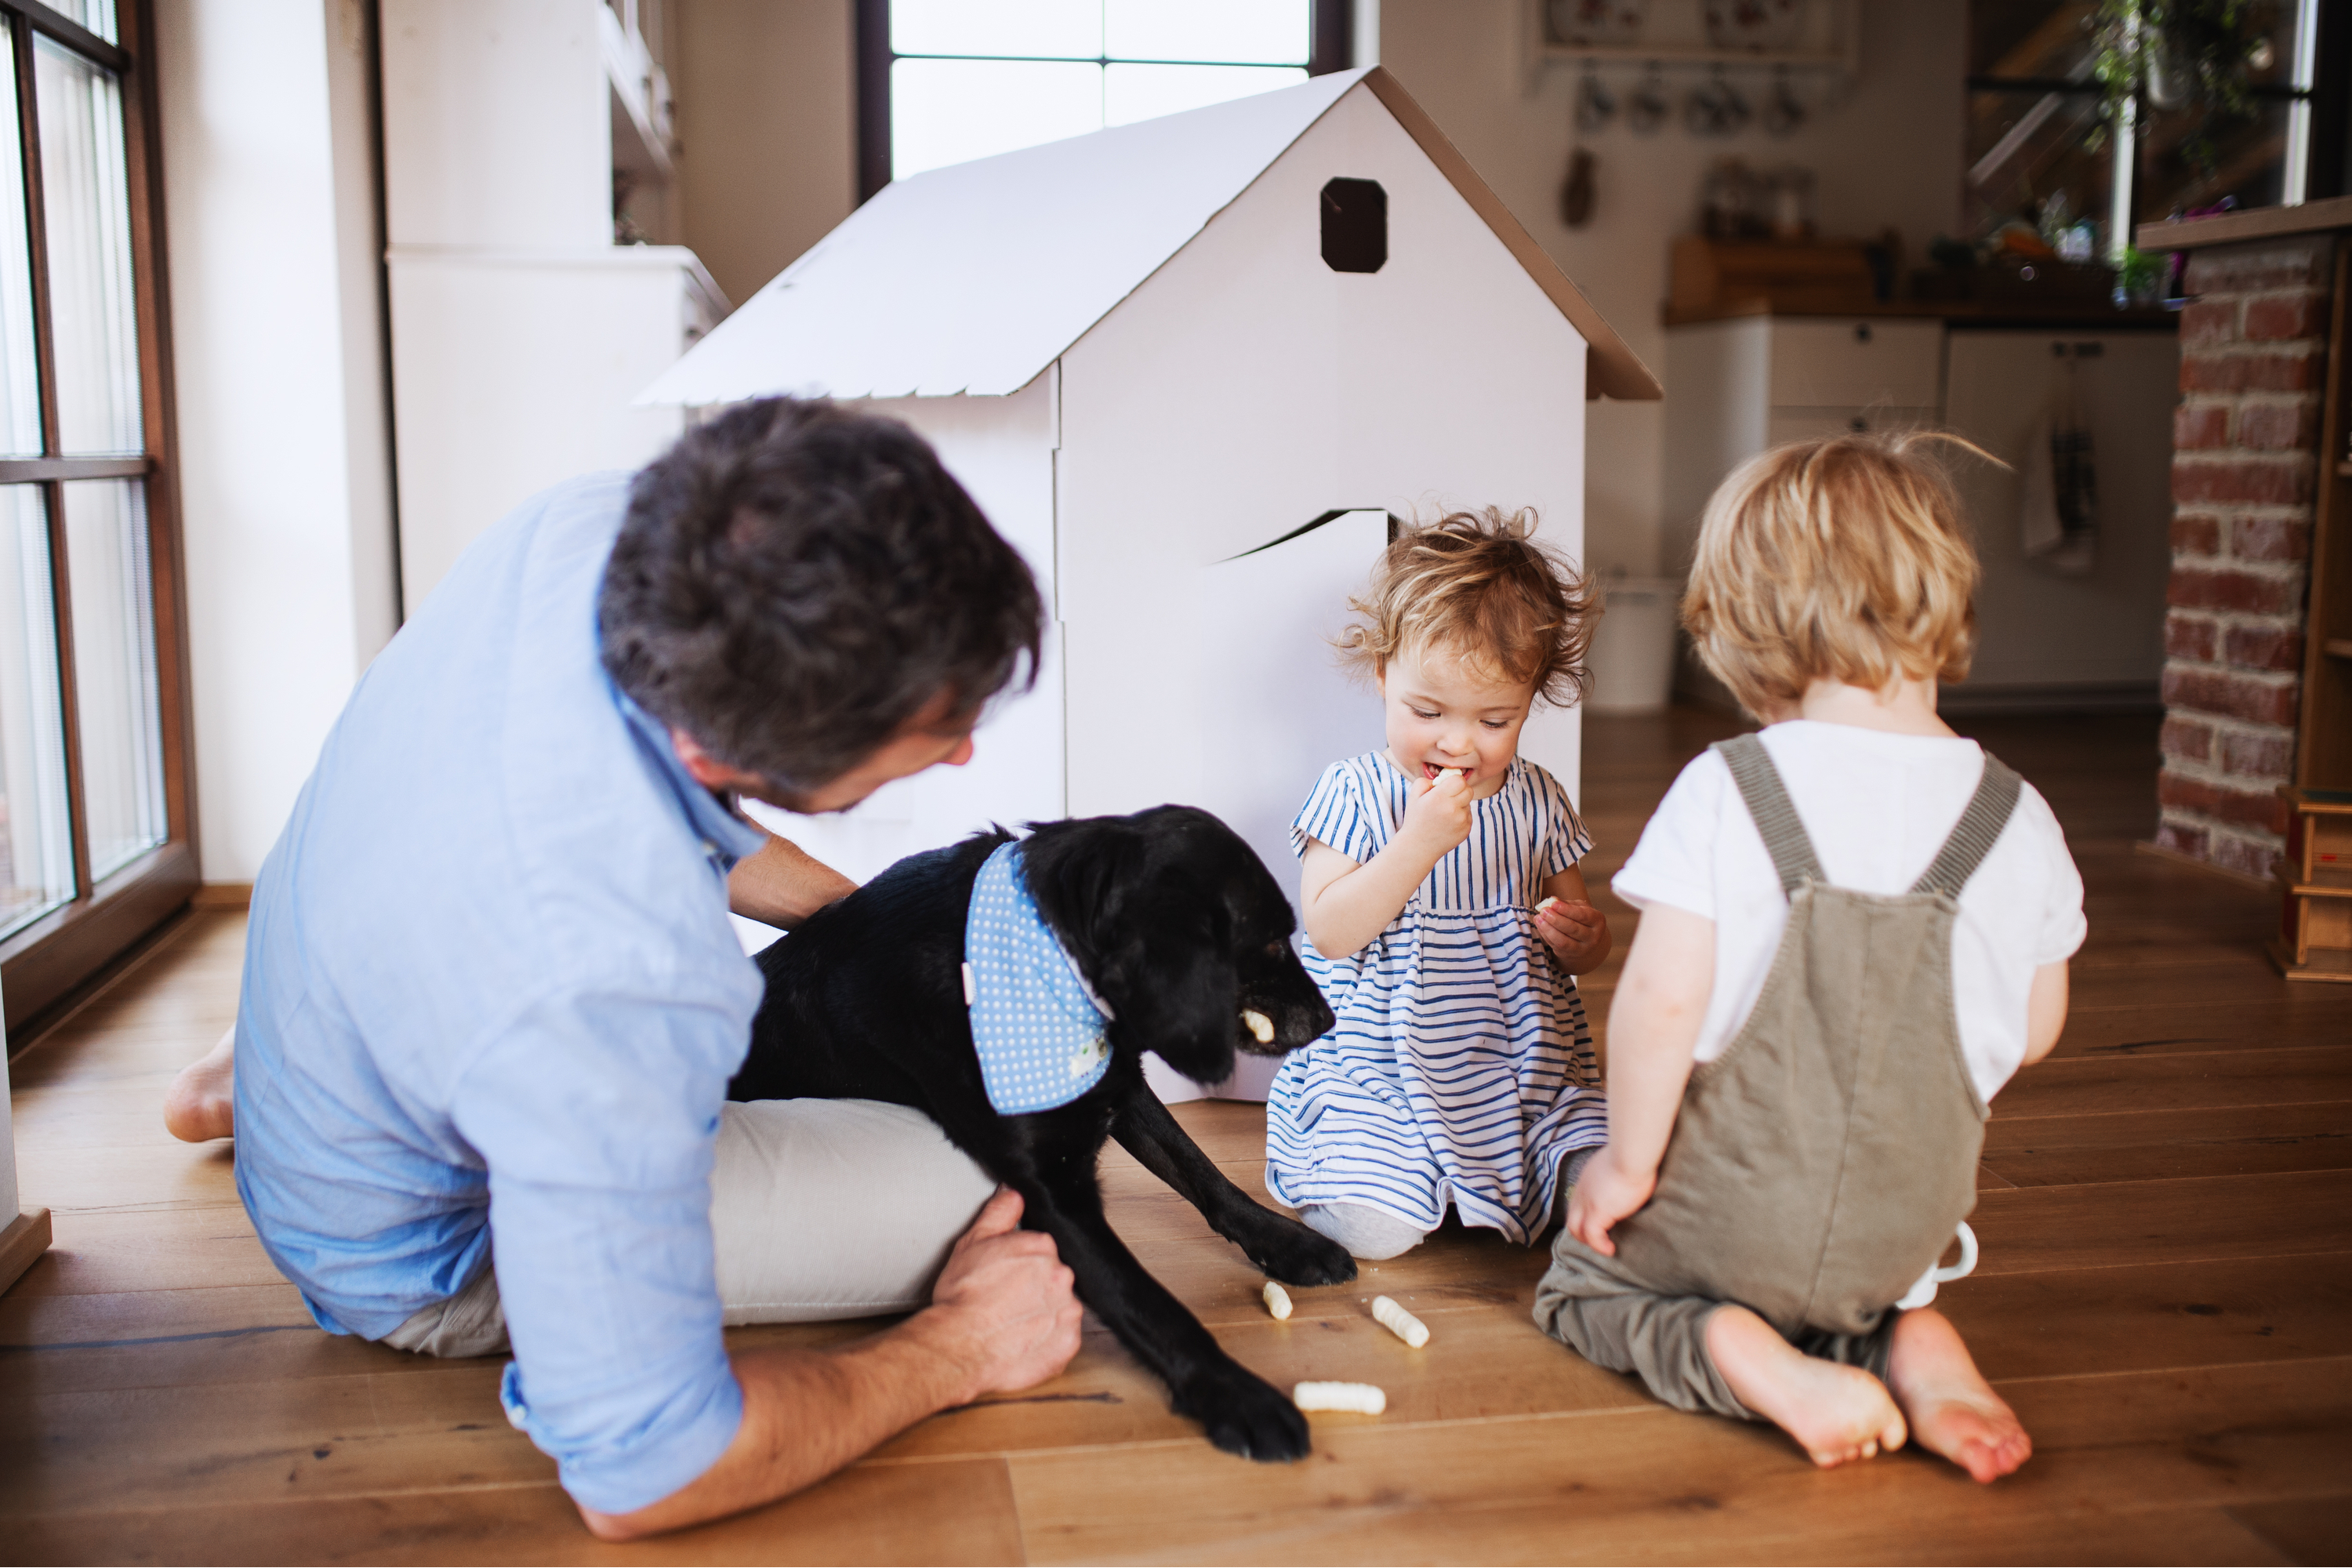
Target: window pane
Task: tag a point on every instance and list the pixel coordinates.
(20, 385)
(36, 825)
(1266, 32)
(114, 668)
(2025, 147)
(1133, 92)
(87, 202)
(949, 111)
(1058, 29)
(97, 15)
(2184, 165)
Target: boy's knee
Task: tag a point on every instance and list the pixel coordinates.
(1366, 1232)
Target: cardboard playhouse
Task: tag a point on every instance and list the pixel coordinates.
(1194, 368)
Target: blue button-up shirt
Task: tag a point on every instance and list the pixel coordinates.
(491, 990)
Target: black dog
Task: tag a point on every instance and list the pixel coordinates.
(1179, 929)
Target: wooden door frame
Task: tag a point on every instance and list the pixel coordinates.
(45, 965)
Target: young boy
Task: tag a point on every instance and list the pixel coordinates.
(1854, 929)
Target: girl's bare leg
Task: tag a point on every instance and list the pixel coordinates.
(1835, 1413)
(1952, 1409)
(199, 1104)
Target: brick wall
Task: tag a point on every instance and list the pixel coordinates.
(2244, 466)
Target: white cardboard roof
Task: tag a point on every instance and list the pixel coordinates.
(974, 279)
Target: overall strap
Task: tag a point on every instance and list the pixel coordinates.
(1973, 837)
(1776, 816)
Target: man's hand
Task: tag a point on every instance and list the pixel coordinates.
(1437, 817)
(1605, 1193)
(1002, 1316)
(1577, 933)
(1002, 1307)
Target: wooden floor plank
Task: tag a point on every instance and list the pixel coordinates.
(954, 1513)
(2307, 1529)
(2033, 1230)
(2203, 1081)
(1657, 1485)
(2151, 1145)
(2145, 1317)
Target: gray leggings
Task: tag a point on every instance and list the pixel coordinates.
(820, 1209)
(1376, 1236)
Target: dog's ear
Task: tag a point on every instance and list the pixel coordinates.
(1169, 972)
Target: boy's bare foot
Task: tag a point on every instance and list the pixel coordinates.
(1952, 1408)
(200, 1104)
(1835, 1413)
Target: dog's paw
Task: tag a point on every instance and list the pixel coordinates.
(1288, 1251)
(1243, 1414)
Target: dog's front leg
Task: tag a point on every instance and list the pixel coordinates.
(1279, 1245)
(1241, 1413)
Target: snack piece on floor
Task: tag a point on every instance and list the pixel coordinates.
(1278, 1300)
(1360, 1398)
(1400, 1322)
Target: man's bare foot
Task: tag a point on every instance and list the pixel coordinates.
(1952, 1408)
(200, 1105)
(1835, 1413)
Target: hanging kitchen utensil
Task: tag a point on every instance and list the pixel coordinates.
(1576, 193)
(1714, 107)
(1783, 112)
(1648, 107)
(1596, 106)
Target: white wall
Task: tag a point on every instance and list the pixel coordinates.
(1888, 155)
(283, 473)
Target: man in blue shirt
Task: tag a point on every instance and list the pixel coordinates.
(492, 999)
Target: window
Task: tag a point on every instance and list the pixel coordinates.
(944, 81)
(2037, 149)
(94, 816)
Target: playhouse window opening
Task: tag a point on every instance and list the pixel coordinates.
(957, 80)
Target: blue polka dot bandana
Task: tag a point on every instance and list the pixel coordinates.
(1037, 1026)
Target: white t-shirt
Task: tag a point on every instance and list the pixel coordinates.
(1877, 807)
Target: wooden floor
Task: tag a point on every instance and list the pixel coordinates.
(2166, 1296)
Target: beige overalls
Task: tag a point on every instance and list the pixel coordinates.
(1821, 1163)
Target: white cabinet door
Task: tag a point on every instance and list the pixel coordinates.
(1853, 364)
(2035, 627)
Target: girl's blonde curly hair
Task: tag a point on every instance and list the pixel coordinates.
(1477, 585)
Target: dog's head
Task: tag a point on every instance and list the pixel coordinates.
(1178, 926)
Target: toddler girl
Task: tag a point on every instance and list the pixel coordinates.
(1445, 917)
(1854, 929)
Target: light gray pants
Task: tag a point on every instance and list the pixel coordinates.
(820, 1209)
(1597, 1309)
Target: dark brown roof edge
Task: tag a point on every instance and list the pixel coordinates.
(1611, 370)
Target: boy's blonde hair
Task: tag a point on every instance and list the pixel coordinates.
(1843, 559)
(1473, 585)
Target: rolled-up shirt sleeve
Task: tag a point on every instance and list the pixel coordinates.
(597, 1113)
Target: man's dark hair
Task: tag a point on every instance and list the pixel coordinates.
(795, 582)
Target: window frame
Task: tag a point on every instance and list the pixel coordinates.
(1330, 43)
(45, 964)
(2321, 102)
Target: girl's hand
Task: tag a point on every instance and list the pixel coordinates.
(1577, 933)
(1438, 816)
(1605, 1193)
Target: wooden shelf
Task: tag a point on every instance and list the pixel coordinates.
(2337, 648)
(2261, 223)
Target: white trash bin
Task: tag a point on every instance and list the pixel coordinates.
(1632, 655)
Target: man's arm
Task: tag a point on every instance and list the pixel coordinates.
(1001, 1317)
(780, 885)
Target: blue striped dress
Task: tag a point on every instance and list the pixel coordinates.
(1461, 1066)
